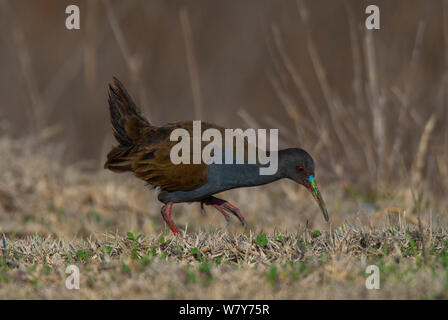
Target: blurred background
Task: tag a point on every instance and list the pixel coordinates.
(369, 105)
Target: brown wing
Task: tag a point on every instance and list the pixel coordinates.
(145, 149)
(153, 163)
(150, 159)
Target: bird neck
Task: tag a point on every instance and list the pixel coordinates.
(259, 179)
(227, 176)
(283, 161)
(249, 175)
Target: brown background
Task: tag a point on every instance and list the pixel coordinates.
(53, 82)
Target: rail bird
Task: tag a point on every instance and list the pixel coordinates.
(144, 149)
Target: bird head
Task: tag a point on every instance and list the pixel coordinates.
(299, 167)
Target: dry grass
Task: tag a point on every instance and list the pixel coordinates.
(381, 154)
(216, 265)
(379, 135)
(53, 216)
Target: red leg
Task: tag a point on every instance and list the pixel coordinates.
(225, 214)
(166, 214)
(222, 205)
(230, 207)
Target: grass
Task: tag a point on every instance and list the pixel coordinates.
(381, 159)
(110, 227)
(220, 265)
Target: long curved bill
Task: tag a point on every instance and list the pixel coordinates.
(316, 194)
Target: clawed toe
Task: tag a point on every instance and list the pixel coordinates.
(236, 212)
(223, 206)
(225, 214)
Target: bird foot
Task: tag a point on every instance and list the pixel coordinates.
(219, 204)
(223, 206)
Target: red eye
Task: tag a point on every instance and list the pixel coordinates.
(300, 168)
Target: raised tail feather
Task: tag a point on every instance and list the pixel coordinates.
(127, 119)
(129, 127)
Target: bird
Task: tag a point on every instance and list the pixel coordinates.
(144, 150)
